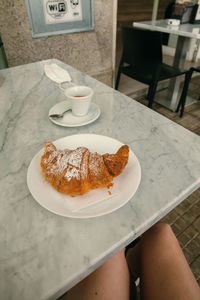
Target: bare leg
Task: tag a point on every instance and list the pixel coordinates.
(110, 281)
(165, 273)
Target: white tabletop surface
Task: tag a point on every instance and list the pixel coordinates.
(186, 30)
(42, 254)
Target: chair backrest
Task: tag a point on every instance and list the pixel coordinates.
(141, 47)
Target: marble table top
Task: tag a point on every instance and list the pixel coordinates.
(186, 30)
(42, 255)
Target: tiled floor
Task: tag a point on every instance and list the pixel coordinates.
(185, 219)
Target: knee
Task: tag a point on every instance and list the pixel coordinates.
(160, 232)
(161, 228)
(117, 259)
(121, 253)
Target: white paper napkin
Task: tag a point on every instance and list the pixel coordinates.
(91, 198)
(56, 73)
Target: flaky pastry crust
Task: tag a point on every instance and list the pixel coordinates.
(79, 171)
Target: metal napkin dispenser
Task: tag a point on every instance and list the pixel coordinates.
(183, 12)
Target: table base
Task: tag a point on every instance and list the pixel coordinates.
(162, 97)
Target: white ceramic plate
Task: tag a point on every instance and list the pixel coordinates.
(125, 185)
(69, 120)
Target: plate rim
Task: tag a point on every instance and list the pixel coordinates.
(76, 214)
(98, 110)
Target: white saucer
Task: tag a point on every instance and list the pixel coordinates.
(69, 120)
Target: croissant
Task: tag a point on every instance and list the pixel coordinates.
(78, 171)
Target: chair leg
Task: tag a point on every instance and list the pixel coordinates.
(151, 93)
(148, 94)
(183, 101)
(181, 104)
(118, 79)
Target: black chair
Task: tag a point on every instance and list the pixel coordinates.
(142, 59)
(3, 58)
(188, 76)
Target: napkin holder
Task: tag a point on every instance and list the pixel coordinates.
(183, 12)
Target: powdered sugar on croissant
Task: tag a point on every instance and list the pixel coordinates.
(78, 171)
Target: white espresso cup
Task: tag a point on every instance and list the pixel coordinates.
(173, 22)
(80, 98)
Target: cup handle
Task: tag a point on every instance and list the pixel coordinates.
(67, 84)
(60, 86)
